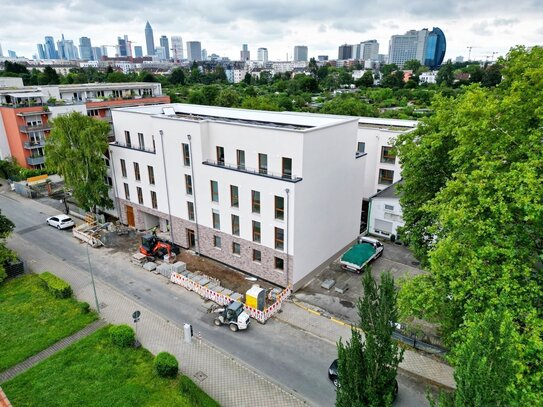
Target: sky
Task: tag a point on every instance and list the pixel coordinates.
(489, 26)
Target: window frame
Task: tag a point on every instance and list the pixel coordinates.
(234, 251)
(220, 155)
(279, 212)
(127, 139)
(240, 159)
(185, 149)
(154, 200)
(216, 219)
(255, 203)
(141, 140)
(151, 174)
(257, 259)
(190, 211)
(284, 173)
(384, 180)
(217, 242)
(279, 243)
(358, 144)
(127, 191)
(137, 174)
(214, 188)
(262, 163)
(386, 156)
(278, 261)
(257, 231)
(234, 196)
(235, 225)
(123, 168)
(188, 184)
(139, 192)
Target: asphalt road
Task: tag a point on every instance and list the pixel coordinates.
(285, 354)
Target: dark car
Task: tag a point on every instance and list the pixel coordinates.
(332, 375)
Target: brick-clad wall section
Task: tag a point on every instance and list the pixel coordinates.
(4, 402)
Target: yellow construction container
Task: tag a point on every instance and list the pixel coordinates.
(255, 297)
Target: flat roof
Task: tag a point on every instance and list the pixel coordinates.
(397, 124)
(25, 94)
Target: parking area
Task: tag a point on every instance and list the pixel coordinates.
(340, 300)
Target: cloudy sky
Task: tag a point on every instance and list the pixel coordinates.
(223, 25)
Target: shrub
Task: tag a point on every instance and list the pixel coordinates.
(166, 365)
(195, 396)
(122, 335)
(56, 286)
(84, 307)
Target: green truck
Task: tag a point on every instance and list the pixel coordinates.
(361, 254)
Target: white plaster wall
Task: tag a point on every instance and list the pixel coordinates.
(378, 211)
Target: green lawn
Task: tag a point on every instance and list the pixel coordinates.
(31, 319)
(94, 372)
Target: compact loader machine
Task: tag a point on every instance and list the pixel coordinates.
(234, 316)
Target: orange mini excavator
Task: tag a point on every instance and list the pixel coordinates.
(152, 246)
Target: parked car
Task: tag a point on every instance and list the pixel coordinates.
(60, 221)
(333, 376)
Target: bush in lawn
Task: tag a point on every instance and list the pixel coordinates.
(56, 286)
(166, 365)
(84, 307)
(122, 335)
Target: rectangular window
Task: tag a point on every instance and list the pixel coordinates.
(236, 248)
(255, 201)
(257, 256)
(140, 195)
(262, 163)
(256, 231)
(287, 167)
(214, 191)
(141, 140)
(389, 207)
(235, 225)
(126, 192)
(217, 241)
(234, 196)
(137, 171)
(386, 177)
(154, 202)
(361, 147)
(123, 168)
(190, 210)
(186, 155)
(154, 146)
(151, 172)
(279, 239)
(279, 207)
(387, 155)
(127, 138)
(216, 220)
(279, 263)
(188, 184)
(240, 157)
(220, 155)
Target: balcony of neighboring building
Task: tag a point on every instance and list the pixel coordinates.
(33, 128)
(34, 143)
(35, 160)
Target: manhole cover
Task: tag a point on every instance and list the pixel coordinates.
(147, 289)
(200, 376)
(347, 304)
(415, 263)
(103, 305)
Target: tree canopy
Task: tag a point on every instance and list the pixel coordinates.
(6, 227)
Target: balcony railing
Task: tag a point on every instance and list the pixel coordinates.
(24, 114)
(133, 147)
(34, 144)
(254, 171)
(28, 129)
(35, 160)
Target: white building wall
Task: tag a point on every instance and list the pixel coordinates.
(385, 217)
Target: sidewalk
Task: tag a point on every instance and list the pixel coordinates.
(414, 364)
(227, 380)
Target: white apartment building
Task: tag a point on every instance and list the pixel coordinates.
(385, 213)
(270, 193)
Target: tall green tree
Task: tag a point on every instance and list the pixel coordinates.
(366, 81)
(445, 75)
(75, 149)
(50, 76)
(412, 65)
(6, 227)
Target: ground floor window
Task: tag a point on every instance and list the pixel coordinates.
(279, 263)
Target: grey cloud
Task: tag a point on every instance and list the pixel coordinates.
(481, 28)
(322, 28)
(499, 22)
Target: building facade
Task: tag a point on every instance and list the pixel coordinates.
(85, 48)
(300, 53)
(242, 187)
(177, 48)
(149, 39)
(345, 51)
(369, 50)
(245, 54)
(385, 213)
(263, 55)
(194, 51)
(436, 46)
(426, 47)
(166, 45)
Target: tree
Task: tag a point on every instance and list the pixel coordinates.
(445, 75)
(492, 76)
(177, 77)
(6, 227)
(388, 69)
(348, 106)
(313, 67)
(75, 149)
(393, 80)
(50, 76)
(366, 81)
(375, 358)
(248, 79)
(412, 65)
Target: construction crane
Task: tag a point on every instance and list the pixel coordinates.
(470, 48)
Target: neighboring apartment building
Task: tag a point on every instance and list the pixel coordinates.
(385, 213)
(272, 194)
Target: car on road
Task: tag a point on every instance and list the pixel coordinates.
(60, 221)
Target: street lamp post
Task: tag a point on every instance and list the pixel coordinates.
(92, 280)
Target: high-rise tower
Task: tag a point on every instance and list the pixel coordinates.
(300, 53)
(177, 48)
(149, 39)
(165, 44)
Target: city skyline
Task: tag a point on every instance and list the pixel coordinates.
(223, 28)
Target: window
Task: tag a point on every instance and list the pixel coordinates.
(387, 155)
(217, 241)
(220, 155)
(151, 172)
(141, 141)
(279, 263)
(214, 191)
(236, 248)
(279, 239)
(256, 231)
(154, 146)
(240, 157)
(123, 168)
(386, 177)
(257, 256)
(186, 155)
(389, 207)
(234, 196)
(361, 147)
(262, 163)
(137, 171)
(188, 184)
(279, 207)
(216, 220)
(140, 195)
(126, 192)
(190, 210)
(127, 138)
(235, 225)
(154, 202)
(255, 201)
(287, 167)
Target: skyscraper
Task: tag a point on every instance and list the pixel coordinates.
(245, 54)
(138, 51)
(149, 39)
(263, 55)
(411, 45)
(435, 48)
(300, 53)
(97, 53)
(160, 53)
(50, 50)
(2, 54)
(194, 51)
(85, 48)
(41, 51)
(204, 54)
(345, 52)
(177, 48)
(123, 47)
(165, 44)
(12, 54)
(369, 50)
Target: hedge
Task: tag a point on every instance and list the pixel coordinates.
(166, 365)
(56, 286)
(122, 335)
